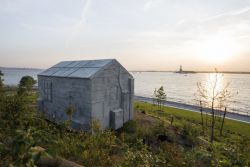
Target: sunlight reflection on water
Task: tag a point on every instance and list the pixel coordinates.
(179, 87)
(214, 92)
(183, 87)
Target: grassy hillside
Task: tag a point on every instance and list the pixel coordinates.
(148, 140)
(166, 113)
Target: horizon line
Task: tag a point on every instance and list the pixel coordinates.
(185, 71)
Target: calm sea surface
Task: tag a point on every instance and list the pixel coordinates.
(179, 87)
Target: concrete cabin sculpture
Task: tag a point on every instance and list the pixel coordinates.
(97, 89)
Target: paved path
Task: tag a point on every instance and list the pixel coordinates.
(233, 116)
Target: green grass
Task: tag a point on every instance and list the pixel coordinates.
(125, 147)
(32, 98)
(180, 114)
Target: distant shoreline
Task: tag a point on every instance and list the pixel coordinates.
(17, 68)
(197, 72)
(183, 72)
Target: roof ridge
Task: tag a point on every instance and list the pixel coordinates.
(83, 69)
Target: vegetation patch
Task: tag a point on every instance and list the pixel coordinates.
(156, 137)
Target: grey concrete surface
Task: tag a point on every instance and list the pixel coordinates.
(94, 88)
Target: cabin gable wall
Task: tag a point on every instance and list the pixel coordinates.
(111, 91)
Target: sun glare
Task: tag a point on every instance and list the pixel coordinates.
(216, 50)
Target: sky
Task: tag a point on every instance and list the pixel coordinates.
(141, 34)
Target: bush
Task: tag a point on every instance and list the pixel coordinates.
(25, 85)
(190, 132)
(97, 149)
(1, 82)
(12, 108)
(130, 127)
(139, 155)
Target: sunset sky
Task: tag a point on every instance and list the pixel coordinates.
(141, 34)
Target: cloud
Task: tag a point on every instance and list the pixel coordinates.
(244, 36)
(60, 25)
(241, 11)
(66, 27)
(151, 4)
(225, 14)
(11, 6)
(80, 24)
(181, 22)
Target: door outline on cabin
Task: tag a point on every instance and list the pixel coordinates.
(98, 112)
(125, 106)
(127, 101)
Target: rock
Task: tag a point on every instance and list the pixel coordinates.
(163, 138)
(57, 162)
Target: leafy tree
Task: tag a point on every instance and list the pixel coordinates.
(70, 111)
(160, 96)
(1, 81)
(215, 96)
(26, 84)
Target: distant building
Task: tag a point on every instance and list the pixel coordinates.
(97, 89)
(180, 69)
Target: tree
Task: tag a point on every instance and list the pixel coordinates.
(223, 120)
(1, 81)
(26, 84)
(160, 96)
(70, 111)
(154, 97)
(215, 96)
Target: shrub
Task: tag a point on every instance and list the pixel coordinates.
(139, 155)
(1, 82)
(97, 149)
(191, 133)
(130, 127)
(25, 85)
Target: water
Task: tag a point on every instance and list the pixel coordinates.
(13, 76)
(182, 88)
(179, 87)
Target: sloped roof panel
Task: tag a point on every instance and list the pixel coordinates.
(63, 64)
(65, 71)
(96, 63)
(76, 69)
(50, 71)
(73, 64)
(84, 72)
(82, 63)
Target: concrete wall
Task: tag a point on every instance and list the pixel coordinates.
(112, 88)
(67, 92)
(108, 94)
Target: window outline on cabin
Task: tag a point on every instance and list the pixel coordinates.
(113, 95)
(48, 91)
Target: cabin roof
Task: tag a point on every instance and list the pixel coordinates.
(76, 69)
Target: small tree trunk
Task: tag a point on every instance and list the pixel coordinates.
(223, 120)
(161, 104)
(172, 119)
(213, 123)
(206, 118)
(202, 122)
